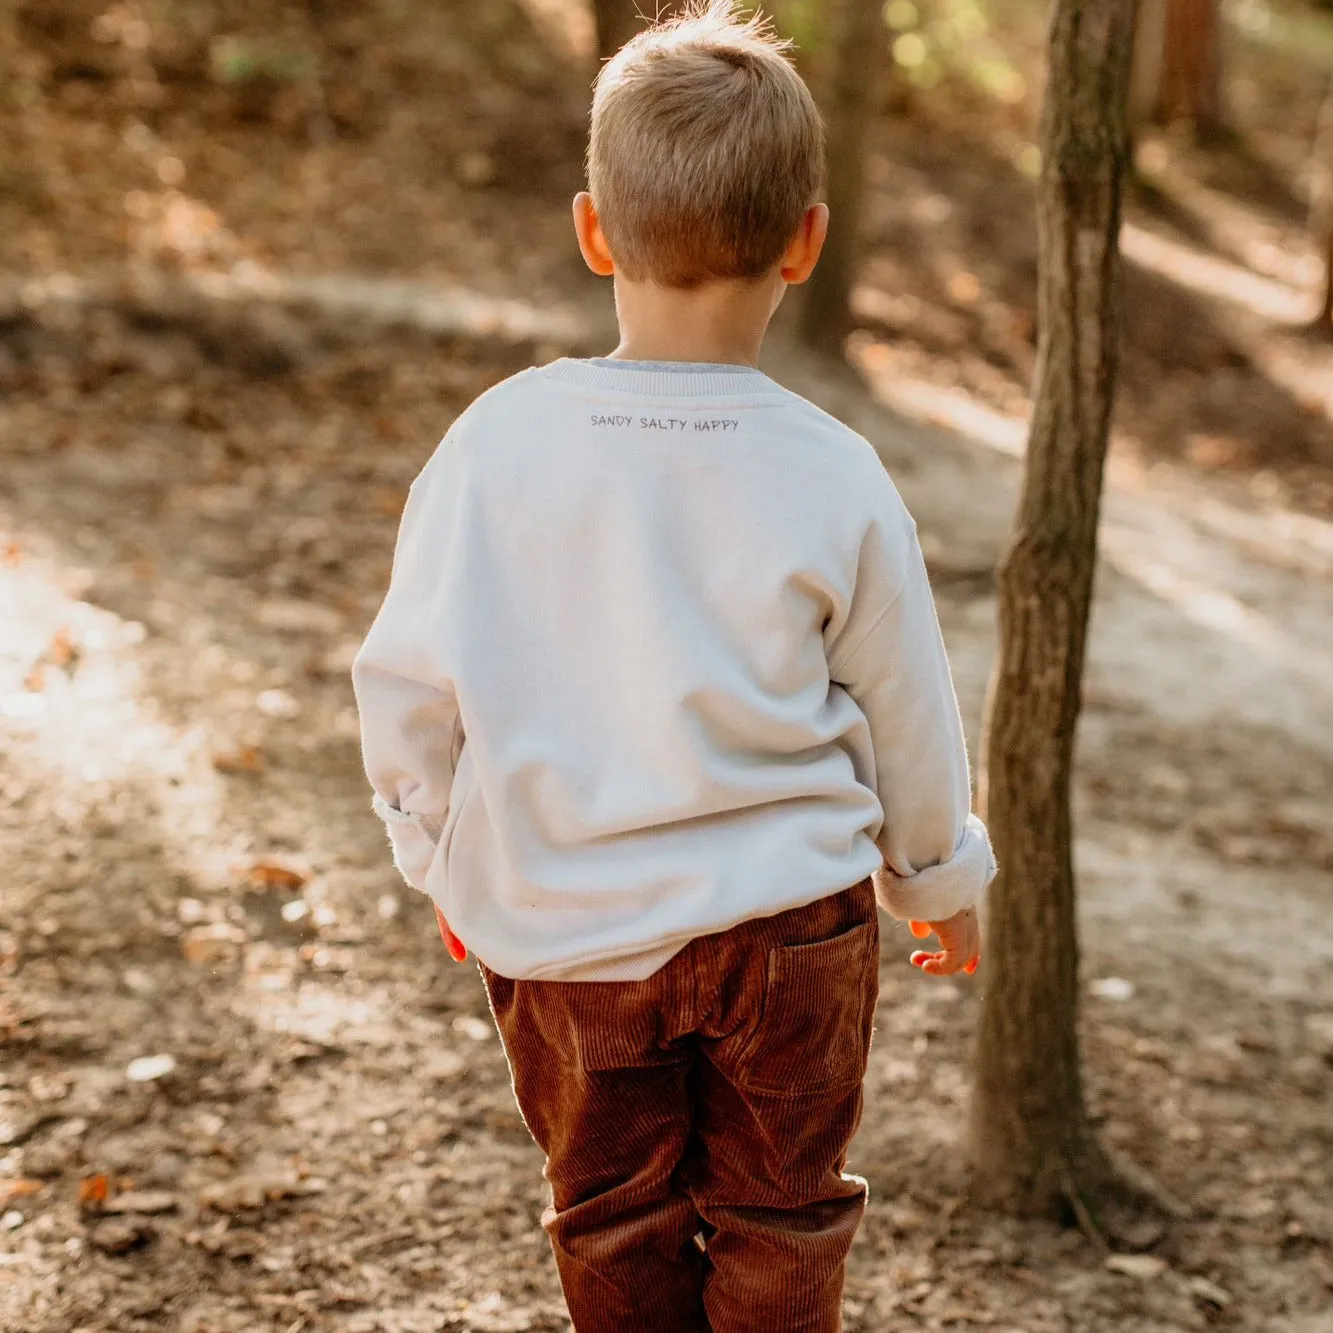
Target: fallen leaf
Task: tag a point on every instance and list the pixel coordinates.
(94, 1191)
(1210, 1292)
(1142, 1266)
(141, 1201)
(271, 873)
(243, 759)
(246, 1193)
(61, 651)
(18, 1189)
(215, 945)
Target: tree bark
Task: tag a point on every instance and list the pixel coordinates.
(1178, 64)
(1321, 209)
(1032, 1147)
(857, 58)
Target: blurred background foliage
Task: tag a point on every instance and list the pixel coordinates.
(438, 142)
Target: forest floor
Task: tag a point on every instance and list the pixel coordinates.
(242, 1087)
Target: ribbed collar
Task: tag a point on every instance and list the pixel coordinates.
(657, 379)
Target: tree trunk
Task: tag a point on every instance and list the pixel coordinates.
(1032, 1147)
(857, 58)
(616, 22)
(1321, 209)
(1178, 64)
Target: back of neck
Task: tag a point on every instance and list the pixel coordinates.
(721, 322)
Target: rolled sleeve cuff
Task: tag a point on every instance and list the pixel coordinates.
(411, 841)
(940, 891)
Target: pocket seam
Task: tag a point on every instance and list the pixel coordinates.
(771, 976)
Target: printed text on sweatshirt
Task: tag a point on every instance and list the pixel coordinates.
(658, 656)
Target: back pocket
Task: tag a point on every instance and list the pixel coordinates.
(814, 1029)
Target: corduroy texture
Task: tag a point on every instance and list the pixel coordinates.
(714, 1100)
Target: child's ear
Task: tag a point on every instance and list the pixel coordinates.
(803, 253)
(596, 252)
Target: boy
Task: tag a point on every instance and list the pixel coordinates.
(658, 677)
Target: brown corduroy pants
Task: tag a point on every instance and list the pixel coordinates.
(696, 1124)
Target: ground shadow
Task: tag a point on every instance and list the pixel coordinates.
(951, 270)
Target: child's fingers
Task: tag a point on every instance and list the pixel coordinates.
(942, 964)
(960, 945)
(933, 963)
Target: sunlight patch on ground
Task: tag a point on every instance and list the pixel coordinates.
(934, 405)
(1175, 546)
(1294, 541)
(1204, 605)
(323, 1014)
(438, 309)
(1232, 223)
(1213, 277)
(65, 680)
(1127, 879)
(1290, 368)
(72, 701)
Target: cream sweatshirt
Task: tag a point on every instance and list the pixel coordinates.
(658, 656)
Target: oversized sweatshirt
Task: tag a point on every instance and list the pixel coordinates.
(659, 656)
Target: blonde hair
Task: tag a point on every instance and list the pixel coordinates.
(706, 148)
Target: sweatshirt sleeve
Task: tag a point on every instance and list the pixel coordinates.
(890, 659)
(411, 731)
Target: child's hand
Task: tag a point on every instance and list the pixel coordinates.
(457, 949)
(960, 941)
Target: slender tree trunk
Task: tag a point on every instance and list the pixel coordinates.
(1178, 64)
(857, 58)
(1324, 319)
(1148, 61)
(1032, 1146)
(1321, 208)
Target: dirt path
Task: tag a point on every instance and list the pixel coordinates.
(196, 529)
